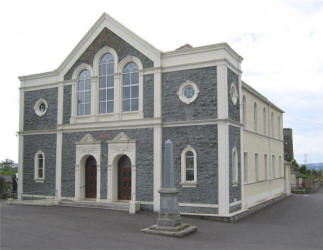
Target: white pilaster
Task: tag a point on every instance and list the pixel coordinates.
(157, 166)
(77, 182)
(60, 104)
(117, 94)
(223, 141)
(109, 177)
(21, 144)
(58, 183)
(98, 182)
(157, 93)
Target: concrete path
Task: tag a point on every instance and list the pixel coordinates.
(295, 223)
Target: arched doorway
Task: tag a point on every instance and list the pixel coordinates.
(90, 177)
(124, 178)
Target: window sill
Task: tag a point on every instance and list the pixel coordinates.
(235, 184)
(39, 180)
(187, 184)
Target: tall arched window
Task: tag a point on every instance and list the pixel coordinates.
(278, 127)
(244, 111)
(272, 125)
(234, 166)
(106, 86)
(255, 117)
(265, 120)
(39, 165)
(130, 87)
(273, 174)
(188, 166)
(84, 93)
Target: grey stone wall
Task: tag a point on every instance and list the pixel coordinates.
(288, 144)
(234, 141)
(47, 121)
(235, 208)
(204, 107)
(108, 38)
(32, 144)
(148, 96)
(67, 108)
(144, 161)
(204, 140)
(202, 210)
(234, 110)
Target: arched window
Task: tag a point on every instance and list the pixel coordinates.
(272, 125)
(273, 174)
(84, 93)
(244, 111)
(234, 166)
(278, 127)
(39, 164)
(106, 86)
(255, 117)
(188, 166)
(265, 120)
(130, 87)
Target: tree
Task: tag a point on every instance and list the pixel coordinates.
(303, 170)
(294, 163)
(8, 167)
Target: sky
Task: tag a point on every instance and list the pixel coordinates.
(281, 43)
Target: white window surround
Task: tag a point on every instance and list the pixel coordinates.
(234, 93)
(37, 107)
(184, 182)
(36, 167)
(181, 89)
(117, 114)
(234, 166)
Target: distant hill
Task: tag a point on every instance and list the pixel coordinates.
(317, 166)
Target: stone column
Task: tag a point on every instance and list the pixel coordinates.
(169, 212)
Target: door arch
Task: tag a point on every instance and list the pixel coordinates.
(124, 178)
(90, 177)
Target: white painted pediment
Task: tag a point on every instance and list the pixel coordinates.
(106, 21)
(121, 138)
(88, 139)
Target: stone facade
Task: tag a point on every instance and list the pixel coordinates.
(108, 38)
(234, 142)
(204, 107)
(204, 140)
(233, 109)
(32, 144)
(49, 120)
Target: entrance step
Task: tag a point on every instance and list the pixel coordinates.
(120, 206)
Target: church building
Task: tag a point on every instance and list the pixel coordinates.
(94, 129)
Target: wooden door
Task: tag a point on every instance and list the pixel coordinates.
(124, 178)
(90, 178)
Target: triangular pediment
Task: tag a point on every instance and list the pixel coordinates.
(107, 22)
(121, 138)
(88, 139)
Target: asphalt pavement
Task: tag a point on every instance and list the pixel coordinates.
(295, 223)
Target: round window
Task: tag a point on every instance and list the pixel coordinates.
(188, 92)
(40, 107)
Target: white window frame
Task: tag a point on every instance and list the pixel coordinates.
(246, 165)
(184, 182)
(255, 117)
(266, 166)
(273, 174)
(37, 105)
(180, 92)
(265, 120)
(36, 167)
(244, 111)
(234, 166)
(139, 114)
(257, 167)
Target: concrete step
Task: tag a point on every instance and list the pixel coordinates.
(120, 206)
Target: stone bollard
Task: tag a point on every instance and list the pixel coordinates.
(169, 220)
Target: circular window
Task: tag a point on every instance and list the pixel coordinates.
(234, 93)
(188, 92)
(40, 107)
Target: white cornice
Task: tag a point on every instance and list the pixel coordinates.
(260, 96)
